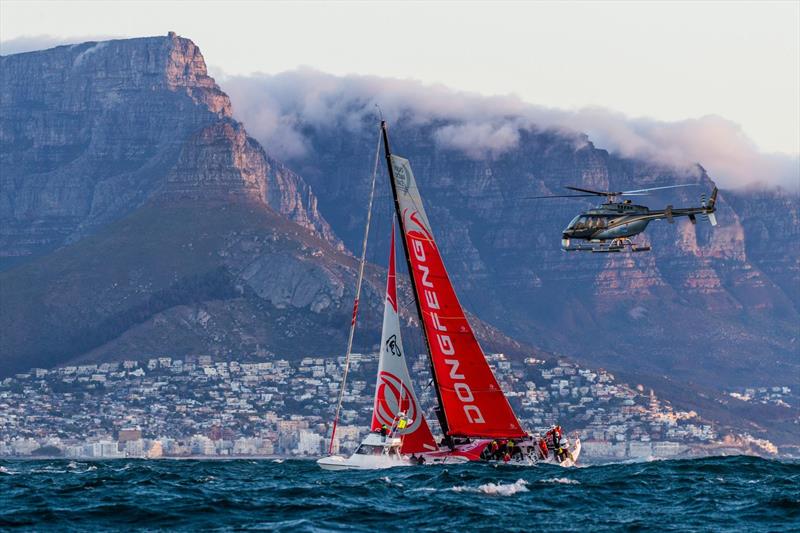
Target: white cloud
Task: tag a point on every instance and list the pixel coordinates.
(277, 108)
(479, 139)
(29, 43)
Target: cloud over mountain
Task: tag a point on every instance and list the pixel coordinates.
(277, 108)
(30, 43)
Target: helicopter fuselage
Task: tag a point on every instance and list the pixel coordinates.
(621, 220)
(609, 221)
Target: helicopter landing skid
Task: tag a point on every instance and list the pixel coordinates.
(615, 246)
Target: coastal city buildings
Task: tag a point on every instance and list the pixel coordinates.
(199, 406)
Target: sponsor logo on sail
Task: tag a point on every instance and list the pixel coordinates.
(392, 347)
(392, 397)
(401, 176)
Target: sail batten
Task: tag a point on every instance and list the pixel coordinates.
(474, 404)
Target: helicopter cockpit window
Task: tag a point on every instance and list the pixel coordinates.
(596, 222)
(580, 223)
(573, 222)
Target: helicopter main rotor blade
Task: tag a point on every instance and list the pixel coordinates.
(627, 193)
(559, 196)
(590, 191)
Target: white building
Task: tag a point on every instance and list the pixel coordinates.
(309, 443)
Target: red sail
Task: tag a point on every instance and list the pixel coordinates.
(473, 402)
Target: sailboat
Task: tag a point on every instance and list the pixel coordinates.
(474, 414)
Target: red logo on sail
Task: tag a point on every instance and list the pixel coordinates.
(392, 397)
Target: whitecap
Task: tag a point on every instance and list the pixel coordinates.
(563, 480)
(4, 470)
(496, 489)
(279, 461)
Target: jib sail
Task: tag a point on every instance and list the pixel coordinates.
(394, 391)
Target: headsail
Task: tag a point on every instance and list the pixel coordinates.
(394, 391)
(473, 403)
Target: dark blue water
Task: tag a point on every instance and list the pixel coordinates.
(721, 494)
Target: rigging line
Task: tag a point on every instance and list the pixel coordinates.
(358, 295)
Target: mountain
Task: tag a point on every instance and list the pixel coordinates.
(90, 132)
(139, 218)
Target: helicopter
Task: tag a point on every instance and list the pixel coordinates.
(610, 226)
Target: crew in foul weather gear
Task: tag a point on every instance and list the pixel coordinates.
(402, 423)
(495, 448)
(557, 437)
(543, 453)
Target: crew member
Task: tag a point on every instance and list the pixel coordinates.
(402, 423)
(560, 448)
(543, 453)
(495, 448)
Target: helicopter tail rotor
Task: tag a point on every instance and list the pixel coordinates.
(713, 199)
(709, 207)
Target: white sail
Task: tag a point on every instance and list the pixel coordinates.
(394, 390)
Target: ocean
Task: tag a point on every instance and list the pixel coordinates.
(713, 494)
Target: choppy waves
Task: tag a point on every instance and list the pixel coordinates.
(734, 493)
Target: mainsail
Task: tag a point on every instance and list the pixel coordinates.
(473, 403)
(394, 391)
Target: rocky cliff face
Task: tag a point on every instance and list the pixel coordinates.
(707, 305)
(90, 132)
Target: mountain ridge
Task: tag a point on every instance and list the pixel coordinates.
(104, 133)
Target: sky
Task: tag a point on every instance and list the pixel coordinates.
(654, 62)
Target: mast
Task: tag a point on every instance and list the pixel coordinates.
(359, 281)
(440, 413)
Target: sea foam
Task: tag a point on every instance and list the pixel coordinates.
(563, 480)
(496, 489)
